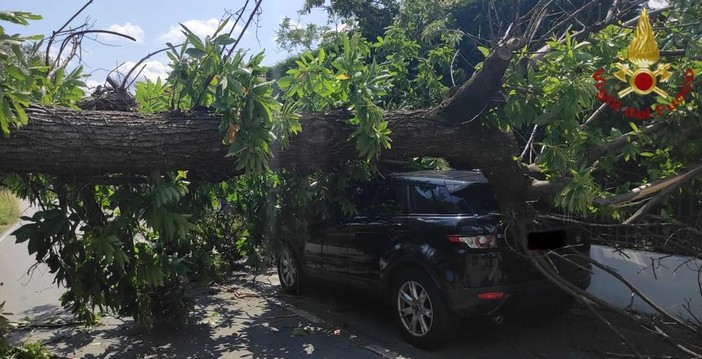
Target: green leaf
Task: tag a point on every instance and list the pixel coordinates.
(223, 40)
(322, 55)
(54, 226)
(23, 233)
(195, 52)
(192, 37)
(36, 244)
(15, 73)
(20, 113)
(634, 127)
(236, 85)
(284, 82)
(484, 50)
(5, 116)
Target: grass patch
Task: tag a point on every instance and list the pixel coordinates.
(9, 209)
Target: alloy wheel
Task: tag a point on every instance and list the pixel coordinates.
(288, 271)
(415, 308)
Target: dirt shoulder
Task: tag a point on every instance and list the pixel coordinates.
(9, 210)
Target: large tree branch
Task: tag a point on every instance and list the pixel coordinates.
(647, 189)
(659, 197)
(467, 104)
(545, 190)
(621, 141)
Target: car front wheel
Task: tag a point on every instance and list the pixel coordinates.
(419, 308)
(289, 271)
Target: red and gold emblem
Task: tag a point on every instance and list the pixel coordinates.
(642, 53)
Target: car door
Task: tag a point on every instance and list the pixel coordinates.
(313, 248)
(334, 236)
(372, 235)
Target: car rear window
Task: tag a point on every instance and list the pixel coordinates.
(431, 199)
(475, 198)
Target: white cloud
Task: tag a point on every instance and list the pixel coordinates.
(53, 54)
(91, 84)
(128, 29)
(153, 70)
(200, 27)
(657, 4)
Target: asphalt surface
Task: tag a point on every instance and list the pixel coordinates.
(252, 318)
(576, 334)
(27, 290)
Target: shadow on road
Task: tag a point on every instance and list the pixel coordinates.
(229, 322)
(575, 334)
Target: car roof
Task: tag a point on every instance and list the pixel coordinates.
(436, 176)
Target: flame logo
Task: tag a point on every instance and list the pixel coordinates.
(643, 52)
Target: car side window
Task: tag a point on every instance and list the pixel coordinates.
(431, 199)
(390, 199)
(364, 195)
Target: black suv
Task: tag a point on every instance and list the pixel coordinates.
(433, 244)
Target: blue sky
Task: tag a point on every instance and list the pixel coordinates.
(153, 23)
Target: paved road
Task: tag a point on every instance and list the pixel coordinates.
(25, 294)
(228, 322)
(576, 334)
(251, 318)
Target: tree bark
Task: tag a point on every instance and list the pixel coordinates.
(75, 143)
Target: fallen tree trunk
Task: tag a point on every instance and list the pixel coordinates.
(85, 143)
(75, 143)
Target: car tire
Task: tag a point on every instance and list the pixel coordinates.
(421, 312)
(290, 271)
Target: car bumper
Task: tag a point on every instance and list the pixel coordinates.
(466, 303)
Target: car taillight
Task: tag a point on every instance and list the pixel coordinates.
(491, 295)
(481, 241)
